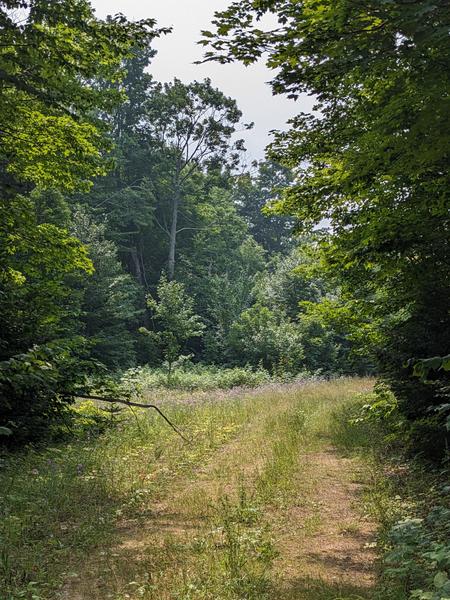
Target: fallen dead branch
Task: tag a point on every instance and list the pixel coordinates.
(138, 405)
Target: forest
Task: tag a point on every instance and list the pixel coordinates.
(288, 317)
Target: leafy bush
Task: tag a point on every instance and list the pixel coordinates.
(262, 336)
(89, 419)
(36, 387)
(420, 555)
(371, 422)
(176, 321)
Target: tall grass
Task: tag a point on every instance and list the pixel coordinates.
(195, 513)
(59, 504)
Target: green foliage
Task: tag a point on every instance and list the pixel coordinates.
(38, 326)
(38, 304)
(77, 101)
(290, 281)
(50, 206)
(371, 159)
(381, 406)
(219, 265)
(184, 212)
(439, 417)
(188, 128)
(51, 58)
(348, 336)
(422, 367)
(35, 388)
(175, 321)
(57, 64)
(325, 350)
(260, 336)
(420, 555)
(194, 376)
(253, 194)
(110, 304)
(296, 288)
(186, 116)
(87, 419)
(372, 423)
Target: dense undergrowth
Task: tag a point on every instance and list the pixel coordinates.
(189, 376)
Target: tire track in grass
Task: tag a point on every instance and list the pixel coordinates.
(326, 545)
(323, 543)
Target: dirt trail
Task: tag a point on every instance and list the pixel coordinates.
(324, 543)
(326, 546)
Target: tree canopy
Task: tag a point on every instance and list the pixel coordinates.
(53, 57)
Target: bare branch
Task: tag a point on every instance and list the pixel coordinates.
(138, 405)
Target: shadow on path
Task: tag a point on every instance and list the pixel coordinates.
(308, 588)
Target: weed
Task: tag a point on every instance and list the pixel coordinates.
(348, 528)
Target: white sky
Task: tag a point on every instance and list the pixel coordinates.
(178, 51)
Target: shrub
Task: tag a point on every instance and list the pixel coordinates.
(420, 555)
(35, 388)
(262, 336)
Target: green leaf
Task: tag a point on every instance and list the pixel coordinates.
(440, 579)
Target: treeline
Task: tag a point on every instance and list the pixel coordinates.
(131, 233)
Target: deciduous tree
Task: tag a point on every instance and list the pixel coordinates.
(175, 321)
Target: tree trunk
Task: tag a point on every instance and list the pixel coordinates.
(137, 266)
(173, 236)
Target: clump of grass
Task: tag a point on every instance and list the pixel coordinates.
(287, 433)
(234, 557)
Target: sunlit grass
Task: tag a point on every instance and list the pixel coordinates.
(59, 504)
(137, 512)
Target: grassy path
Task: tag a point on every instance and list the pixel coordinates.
(261, 506)
(325, 544)
(270, 514)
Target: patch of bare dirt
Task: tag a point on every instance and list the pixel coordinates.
(326, 545)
